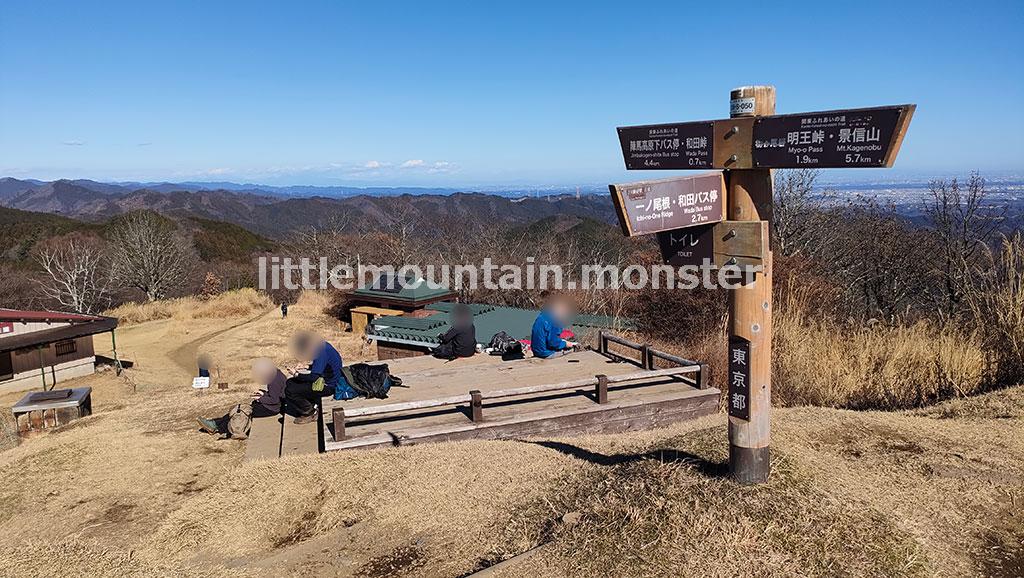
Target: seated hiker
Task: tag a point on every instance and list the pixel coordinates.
(266, 401)
(460, 340)
(322, 378)
(546, 336)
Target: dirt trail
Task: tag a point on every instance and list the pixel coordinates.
(185, 355)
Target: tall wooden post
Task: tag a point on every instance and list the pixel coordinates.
(750, 307)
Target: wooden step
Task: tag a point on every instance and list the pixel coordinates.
(301, 439)
(264, 441)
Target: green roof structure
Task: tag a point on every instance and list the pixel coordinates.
(488, 320)
(391, 290)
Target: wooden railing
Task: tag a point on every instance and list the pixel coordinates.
(646, 356)
(600, 383)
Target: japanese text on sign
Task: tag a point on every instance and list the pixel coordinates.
(667, 146)
(653, 206)
(844, 138)
(739, 377)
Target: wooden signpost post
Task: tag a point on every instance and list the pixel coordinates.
(692, 227)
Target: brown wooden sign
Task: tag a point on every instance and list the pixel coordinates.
(685, 145)
(850, 138)
(863, 137)
(648, 207)
(739, 243)
(692, 246)
(748, 145)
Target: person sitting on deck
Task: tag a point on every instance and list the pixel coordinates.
(460, 340)
(546, 336)
(322, 378)
(266, 402)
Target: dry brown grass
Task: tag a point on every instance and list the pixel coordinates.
(666, 510)
(135, 490)
(238, 303)
(819, 362)
(852, 494)
(997, 303)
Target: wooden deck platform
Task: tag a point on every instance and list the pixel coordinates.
(521, 398)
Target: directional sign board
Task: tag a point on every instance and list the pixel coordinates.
(740, 243)
(691, 246)
(685, 145)
(850, 138)
(864, 137)
(651, 206)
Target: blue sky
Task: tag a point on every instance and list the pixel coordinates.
(476, 93)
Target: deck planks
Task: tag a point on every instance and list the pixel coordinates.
(641, 404)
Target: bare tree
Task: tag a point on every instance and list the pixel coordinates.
(76, 274)
(878, 256)
(149, 255)
(965, 225)
(798, 215)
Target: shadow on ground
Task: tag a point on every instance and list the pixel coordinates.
(699, 464)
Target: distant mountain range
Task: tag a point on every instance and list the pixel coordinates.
(276, 212)
(275, 215)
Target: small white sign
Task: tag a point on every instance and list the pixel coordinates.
(200, 382)
(741, 106)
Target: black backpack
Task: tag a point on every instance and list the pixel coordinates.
(506, 346)
(371, 381)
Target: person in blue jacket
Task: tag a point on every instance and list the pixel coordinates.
(322, 378)
(546, 336)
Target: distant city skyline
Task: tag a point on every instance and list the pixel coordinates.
(477, 95)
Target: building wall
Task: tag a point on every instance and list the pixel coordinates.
(386, 350)
(26, 364)
(28, 359)
(63, 371)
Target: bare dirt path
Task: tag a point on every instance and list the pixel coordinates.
(185, 355)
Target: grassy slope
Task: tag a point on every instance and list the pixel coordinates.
(135, 490)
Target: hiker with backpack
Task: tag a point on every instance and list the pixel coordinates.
(322, 378)
(460, 340)
(266, 402)
(546, 337)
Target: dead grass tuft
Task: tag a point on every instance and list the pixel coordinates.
(8, 432)
(882, 367)
(240, 303)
